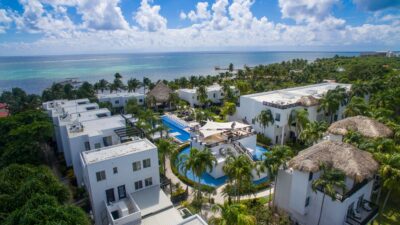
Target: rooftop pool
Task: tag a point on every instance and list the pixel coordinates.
(207, 179)
(176, 129)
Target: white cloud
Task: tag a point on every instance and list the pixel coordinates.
(201, 13)
(5, 20)
(306, 10)
(148, 17)
(226, 25)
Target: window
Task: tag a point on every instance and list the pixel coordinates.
(138, 185)
(277, 117)
(97, 145)
(121, 192)
(81, 103)
(253, 121)
(307, 201)
(148, 181)
(101, 175)
(116, 102)
(90, 108)
(87, 145)
(140, 100)
(136, 166)
(115, 170)
(214, 95)
(107, 141)
(310, 176)
(335, 118)
(110, 195)
(146, 163)
(276, 139)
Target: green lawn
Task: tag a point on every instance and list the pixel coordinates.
(391, 215)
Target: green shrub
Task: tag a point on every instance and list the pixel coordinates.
(263, 140)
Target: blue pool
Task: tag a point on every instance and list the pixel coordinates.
(259, 154)
(176, 129)
(208, 179)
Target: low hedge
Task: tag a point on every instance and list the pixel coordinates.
(184, 179)
(249, 190)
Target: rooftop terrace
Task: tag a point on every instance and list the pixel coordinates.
(119, 94)
(95, 127)
(116, 151)
(291, 96)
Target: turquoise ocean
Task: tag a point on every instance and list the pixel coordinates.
(34, 73)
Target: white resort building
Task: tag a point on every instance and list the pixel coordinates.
(294, 192)
(281, 103)
(60, 109)
(124, 186)
(120, 99)
(214, 94)
(88, 135)
(224, 139)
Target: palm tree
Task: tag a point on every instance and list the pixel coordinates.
(117, 76)
(360, 89)
(356, 106)
(265, 118)
(298, 118)
(390, 173)
(146, 83)
(238, 169)
(165, 148)
(133, 84)
(332, 100)
(234, 214)
(202, 94)
(274, 159)
(198, 161)
(328, 182)
(173, 99)
(103, 85)
(313, 132)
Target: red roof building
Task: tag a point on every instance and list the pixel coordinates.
(4, 110)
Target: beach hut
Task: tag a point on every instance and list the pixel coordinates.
(159, 95)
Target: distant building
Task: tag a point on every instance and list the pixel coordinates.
(120, 99)
(4, 112)
(294, 192)
(74, 82)
(382, 54)
(124, 186)
(215, 94)
(281, 103)
(160, 95)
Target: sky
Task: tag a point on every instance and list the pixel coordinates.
(46, 27)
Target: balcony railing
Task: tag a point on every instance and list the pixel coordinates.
(367, 212)
(354, 189)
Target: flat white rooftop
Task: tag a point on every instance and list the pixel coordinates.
(65, 102)
(95, 127)
(193, 220)
(79, 108)
(292, 95)
(119, 94)
(87, 115)
(119, 150)
(214, 87)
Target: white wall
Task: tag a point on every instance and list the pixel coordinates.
(125, 176)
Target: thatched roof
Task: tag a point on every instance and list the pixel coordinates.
(354, 162)
(308, 101)
(365, 126)
(161, 92)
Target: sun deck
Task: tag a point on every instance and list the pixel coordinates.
(95, 127)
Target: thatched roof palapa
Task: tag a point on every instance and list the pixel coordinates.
(308, 101)
(354, 162)
(365, 126)
(161, 93)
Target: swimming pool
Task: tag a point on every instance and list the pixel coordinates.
(259, 153)
(175, 129)
(207, 179)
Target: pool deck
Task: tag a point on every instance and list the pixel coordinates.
(218, 197)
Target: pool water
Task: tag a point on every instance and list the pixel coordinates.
(259, 153)
(175, 129)
(206, 178)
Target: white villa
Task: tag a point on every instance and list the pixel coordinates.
(124, 186)
(119, 99)
(224, 139)
(58, 110)
(281, 103)
(352, 207)
(88, 135)
(214, 92)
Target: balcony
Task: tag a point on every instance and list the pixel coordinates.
(366, 212)
(124, 211)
